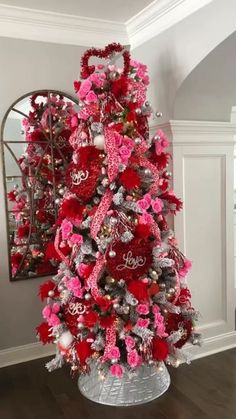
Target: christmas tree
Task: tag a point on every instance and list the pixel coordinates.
(34, 201)
(120, 296)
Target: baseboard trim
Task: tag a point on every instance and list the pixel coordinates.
(36, 350)
(25, 353)
(213, 345)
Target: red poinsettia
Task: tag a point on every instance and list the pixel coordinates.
(107, 321)
(51, 253)
(130, 179)
(23, 231)
(139, 289)
(45, 288)
(160, 349)
(71, 209)
(119, 87)
(90, 318)
(44, 333)
(142, 231)
(11, 196)
(83, 350)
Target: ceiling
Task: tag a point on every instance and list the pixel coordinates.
(116, 10)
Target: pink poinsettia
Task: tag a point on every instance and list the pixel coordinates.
(84, 89)
(50, 314)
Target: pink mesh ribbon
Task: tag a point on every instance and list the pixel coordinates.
(101, 213)
(112, 154)
(56, 245)
(156, 232)
(94, 276)
(110, 342)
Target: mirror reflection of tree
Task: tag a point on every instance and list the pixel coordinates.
(39, 159)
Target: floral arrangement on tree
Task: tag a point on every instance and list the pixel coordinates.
(119, 298)
(34, 202)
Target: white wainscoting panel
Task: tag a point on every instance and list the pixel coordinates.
(203, 174)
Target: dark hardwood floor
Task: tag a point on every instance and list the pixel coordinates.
(205, 389)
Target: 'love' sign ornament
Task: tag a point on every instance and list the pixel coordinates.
(129, 260)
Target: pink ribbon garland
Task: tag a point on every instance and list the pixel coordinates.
(156, 232)
(93, 278)
(112, 154)
(101, 213)
(56, 245)
(110, 342)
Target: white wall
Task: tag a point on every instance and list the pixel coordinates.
(26, 66)
(173, 54)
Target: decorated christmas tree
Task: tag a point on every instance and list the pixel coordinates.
(120, 297)
(34, 201)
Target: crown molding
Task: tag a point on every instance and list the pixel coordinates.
(159, 16)
(45, 26)
(183, 132)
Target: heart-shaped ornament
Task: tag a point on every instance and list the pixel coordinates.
(107, 52)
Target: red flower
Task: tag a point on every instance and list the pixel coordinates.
(16, 258)
(153, 289)
(160, 349)
(51, 253)
(130, 179)
(107, 321)
(83, 350)
(37, 135)
(142, 231)
(119, 87)
(44, 268)
(175, 204)
(90, 319)
(23, 231)
(103, 303)
(71, 208)
(43, 332)
(139, 290)
(45, 288)
(161, 160)
(77, 85)
(11, 196)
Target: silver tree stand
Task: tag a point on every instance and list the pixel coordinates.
(147, 385)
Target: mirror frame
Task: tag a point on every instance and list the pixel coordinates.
(2, 157)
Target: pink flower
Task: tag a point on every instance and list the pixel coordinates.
(186, 268)
(143, 204)
(76, 239)
(46, 311)
(143, 322)
(118, 139)
(114, 353)
(84, 88)
(130, 343)
(74, 285)
(97, 79)
(157, 205)
(142, 309)
(133, 358)
(125, 153)
(155, 309)
(128, 143)
(74, 121)
(91, 97)
(146, 218)
(116, 370)
(66, 229)
(162, 143)
(55, 308)
(53, 320)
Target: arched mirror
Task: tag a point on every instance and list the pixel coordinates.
(35, 152)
